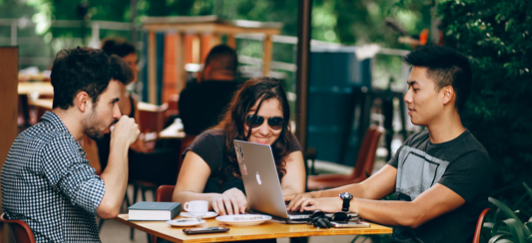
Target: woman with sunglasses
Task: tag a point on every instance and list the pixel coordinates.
(259, 113)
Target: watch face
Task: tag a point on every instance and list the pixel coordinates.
(346, 195)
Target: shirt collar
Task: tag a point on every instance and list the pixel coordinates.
(58, 124)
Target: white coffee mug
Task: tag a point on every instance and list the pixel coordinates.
(197, 207)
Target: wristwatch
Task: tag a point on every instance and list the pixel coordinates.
(346, 197)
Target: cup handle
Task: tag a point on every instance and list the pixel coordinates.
(187, 206)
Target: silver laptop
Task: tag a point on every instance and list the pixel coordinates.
(263, 188)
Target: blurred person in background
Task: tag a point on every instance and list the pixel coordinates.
(162, 166)
(127, 102)
(201, 104)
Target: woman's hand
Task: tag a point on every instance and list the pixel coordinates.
(232, 201)
(297, 198)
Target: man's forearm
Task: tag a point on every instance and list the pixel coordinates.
(357, 190)
(115, 177)
(393, 213)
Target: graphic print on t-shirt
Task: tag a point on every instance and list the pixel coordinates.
(416, 172)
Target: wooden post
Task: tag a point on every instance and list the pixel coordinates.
(180, 63)
(267, 55)
(8, 109)
(206, 40)
(152, 71)
(302, 74)
(216, 40)
(231, 41)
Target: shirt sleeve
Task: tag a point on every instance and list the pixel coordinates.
(66, 169)
(295, 144)
(207, 147)
(394, 161)
(469, 176)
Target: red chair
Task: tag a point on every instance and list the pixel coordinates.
(480, 223)
(164, 194)
(21, 230)
(366, 157)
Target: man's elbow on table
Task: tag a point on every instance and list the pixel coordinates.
(107, 211)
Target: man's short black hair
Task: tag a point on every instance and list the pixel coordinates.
(118, 46)
(446, 67)
(222, 57)
(120, 70)
(79, 69)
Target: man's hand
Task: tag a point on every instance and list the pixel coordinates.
(297, 198)
(126, 131)
(325, 204)
(232, 201)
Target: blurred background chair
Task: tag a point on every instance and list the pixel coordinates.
(21, 230)
(363, 167)
(164, 194)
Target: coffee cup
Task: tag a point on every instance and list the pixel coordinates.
(197, 207)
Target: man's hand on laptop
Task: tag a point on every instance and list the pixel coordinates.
(325, 204)
(296, 199)
(232, 201)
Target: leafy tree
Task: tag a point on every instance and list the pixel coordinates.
(496, 35)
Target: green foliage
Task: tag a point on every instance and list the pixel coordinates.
(496, 35)
(511, 227)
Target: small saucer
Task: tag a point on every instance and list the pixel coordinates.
(208, 215)
(185, 222)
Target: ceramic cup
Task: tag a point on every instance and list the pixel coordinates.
(197, 207)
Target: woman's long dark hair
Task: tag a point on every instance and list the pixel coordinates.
(253, 90)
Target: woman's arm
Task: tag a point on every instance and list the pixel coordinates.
(192, 179)
(191, 182)
(294, 179)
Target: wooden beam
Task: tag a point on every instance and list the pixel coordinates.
(209, 27)
(8, 109)
(231, 41)
(267, 55)
(152, 71)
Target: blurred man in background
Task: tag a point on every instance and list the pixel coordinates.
(200, 105)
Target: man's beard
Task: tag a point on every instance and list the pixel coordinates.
(91, 125)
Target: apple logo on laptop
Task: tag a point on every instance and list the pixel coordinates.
(258, 178)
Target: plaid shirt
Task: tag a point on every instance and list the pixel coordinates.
(48, 183)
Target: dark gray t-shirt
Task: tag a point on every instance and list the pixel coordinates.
(462, 165)
(210, 146)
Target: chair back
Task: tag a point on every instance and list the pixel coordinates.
(21, 230)
(173, 106)
(480, 222)
(151, 117)
(163, 194)
(366, 153)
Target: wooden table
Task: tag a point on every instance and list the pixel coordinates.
(171, 132)
(45, 88)
(268, 230)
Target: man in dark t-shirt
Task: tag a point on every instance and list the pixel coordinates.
(441, 177)
(201, 104)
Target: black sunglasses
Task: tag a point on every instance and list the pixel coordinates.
(275, 123)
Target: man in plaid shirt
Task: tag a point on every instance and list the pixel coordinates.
(46, 180)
